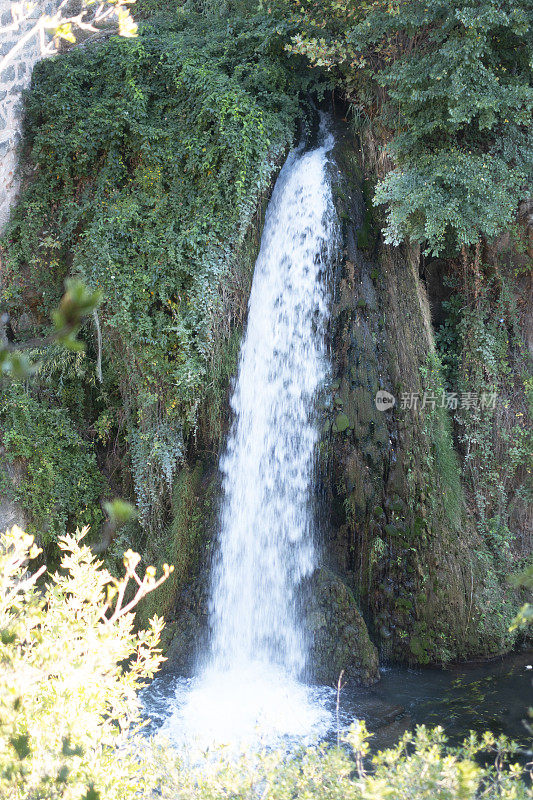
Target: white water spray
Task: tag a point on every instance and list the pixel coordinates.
(266, 544)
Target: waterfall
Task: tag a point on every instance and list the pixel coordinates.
(266, 538)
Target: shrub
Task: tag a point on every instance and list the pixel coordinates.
(151, 156)
(68, 704)
(71, 667)
(61, 480)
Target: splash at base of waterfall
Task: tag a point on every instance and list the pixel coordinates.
(254, 706)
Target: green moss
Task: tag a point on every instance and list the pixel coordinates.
(181, 544)
(418, 649)
(368, 233)
(438, 429)
(341, 423)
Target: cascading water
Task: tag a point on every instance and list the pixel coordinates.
(266, 543)
(266, 538)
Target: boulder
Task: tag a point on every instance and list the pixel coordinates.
(337, 632)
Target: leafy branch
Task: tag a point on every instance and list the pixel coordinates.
(62, 26)
(117, 588)
(77, 303)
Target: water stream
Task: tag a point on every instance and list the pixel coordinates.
(251, 684)
(266, 533)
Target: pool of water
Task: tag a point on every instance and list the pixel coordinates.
(492, 696)
(488, 696)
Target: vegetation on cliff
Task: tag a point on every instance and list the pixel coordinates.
(448, 88)
(440, 97)
(149, 158)
(146, 165)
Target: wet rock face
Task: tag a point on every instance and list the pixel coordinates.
(388, 523)
(337, 633)
(188, 630)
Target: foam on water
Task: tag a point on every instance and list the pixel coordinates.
(246, 710)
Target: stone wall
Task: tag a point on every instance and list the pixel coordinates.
(13, 79)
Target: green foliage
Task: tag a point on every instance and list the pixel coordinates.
(180, 544)
(68, 706)
(484, 353)
(151, 155)
(419, 767)
(497, 441)
(447, 339)
(524, 618)
(147, 8)
(61, 480)
(453, 90)
(70, 711)
(445, 190)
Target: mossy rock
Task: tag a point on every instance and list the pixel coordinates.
(337, 632)
(190, 629)
(341, 424)
(418, 526)
(398, 505)
(418, 649)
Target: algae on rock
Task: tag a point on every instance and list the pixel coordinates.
(399, 529)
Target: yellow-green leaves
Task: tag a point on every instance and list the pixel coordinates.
(77, 302)
(120, 511)
(66, 699)
(126, 25)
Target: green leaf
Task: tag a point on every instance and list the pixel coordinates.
(21, 745)
(120, 511)
(68, 750)
(91, 794)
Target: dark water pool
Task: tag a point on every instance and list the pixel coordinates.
(490, 696)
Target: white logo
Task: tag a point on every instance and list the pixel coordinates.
(384, 401)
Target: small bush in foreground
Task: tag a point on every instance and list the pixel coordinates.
(67, 704)
(71, 665)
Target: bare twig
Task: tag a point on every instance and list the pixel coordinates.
(60, 26)
(340, 687)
